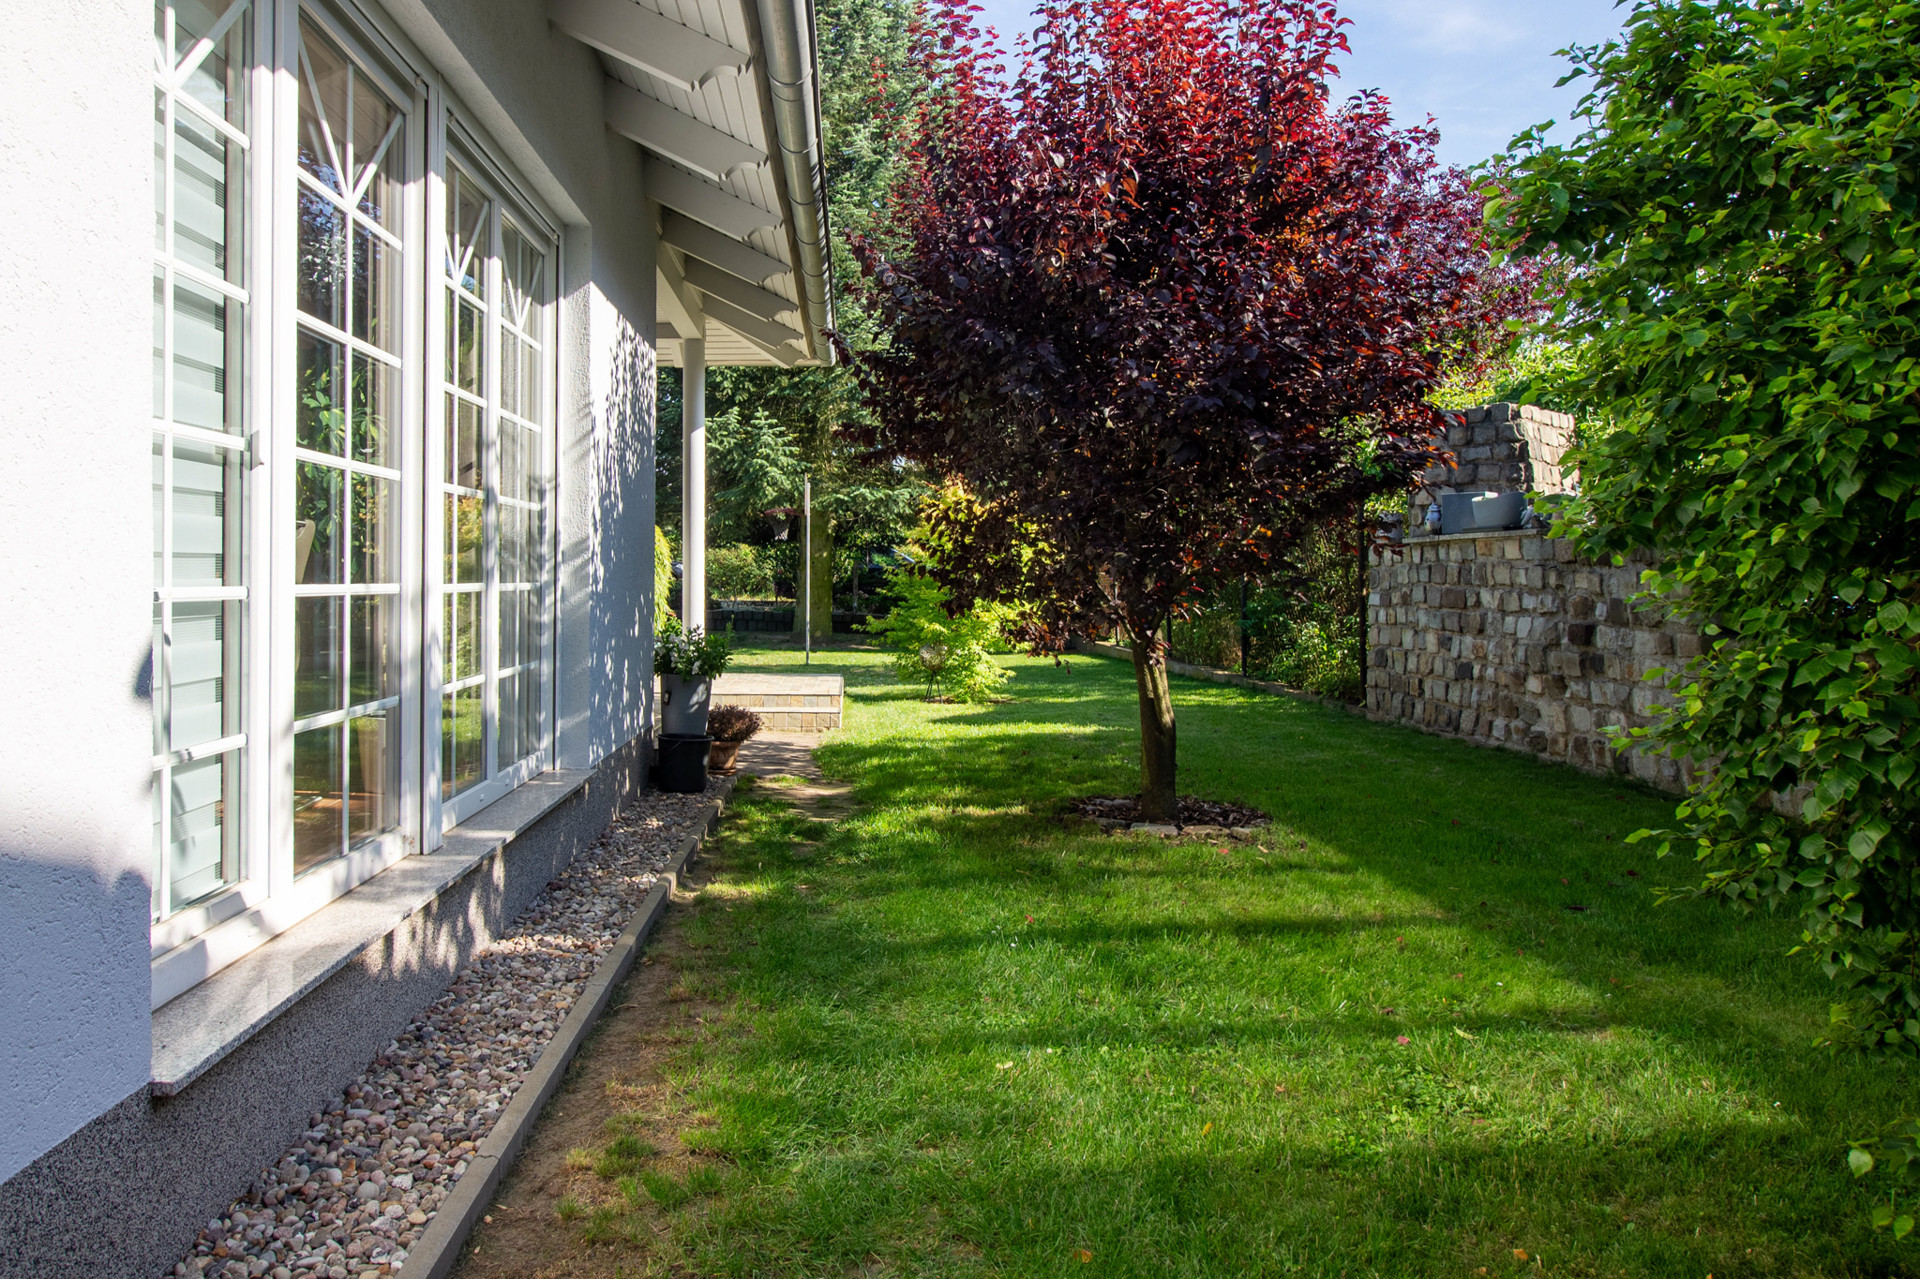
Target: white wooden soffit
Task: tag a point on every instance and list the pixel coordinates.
(642, 38)
(676, 135)
(697, 239)
(778, 353)
(699, 199)
(751, 298)
(765, 334)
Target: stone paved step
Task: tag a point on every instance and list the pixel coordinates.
(786, 703)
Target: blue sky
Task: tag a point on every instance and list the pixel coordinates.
(1484, 69)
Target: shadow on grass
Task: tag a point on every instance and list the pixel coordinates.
(970, 1010)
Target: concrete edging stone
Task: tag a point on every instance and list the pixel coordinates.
(437, 1252)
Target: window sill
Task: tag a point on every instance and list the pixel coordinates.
(196, 1029)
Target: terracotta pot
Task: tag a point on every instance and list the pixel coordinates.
(720, 756)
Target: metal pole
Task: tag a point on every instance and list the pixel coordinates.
(806, 557)
(1361, 537)
(1243, 626)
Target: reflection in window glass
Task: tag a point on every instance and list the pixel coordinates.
(347, 553)
(200, 308)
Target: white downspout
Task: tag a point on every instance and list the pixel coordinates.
(786, 28)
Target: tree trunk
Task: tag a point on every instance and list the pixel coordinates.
(1158, 797)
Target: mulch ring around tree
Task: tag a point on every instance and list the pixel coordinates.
(1200, 818)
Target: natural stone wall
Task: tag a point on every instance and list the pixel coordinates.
(1500, 448)
(1507, 639)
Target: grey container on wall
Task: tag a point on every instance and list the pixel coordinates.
(1472, 512)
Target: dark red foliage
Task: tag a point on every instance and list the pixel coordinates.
(1163, 301)
(1158, 305)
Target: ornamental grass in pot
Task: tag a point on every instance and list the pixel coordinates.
(729, 726)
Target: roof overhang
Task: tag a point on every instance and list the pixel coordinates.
(723, 97)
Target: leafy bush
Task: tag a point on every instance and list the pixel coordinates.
(1743, 220)
(663, 583)
(952, 654)
(739, 572)
(732, 723)
(690, 653)
(1896, 1153)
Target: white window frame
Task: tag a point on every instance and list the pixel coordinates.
(459, 142)
(249, 886)
(186, 952)
(266, 898)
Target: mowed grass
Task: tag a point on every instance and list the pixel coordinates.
(959, 1033)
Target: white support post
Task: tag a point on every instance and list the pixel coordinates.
(693, 472)
(806, 560)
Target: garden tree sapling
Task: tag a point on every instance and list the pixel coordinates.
(946, 649)
(1161, 304)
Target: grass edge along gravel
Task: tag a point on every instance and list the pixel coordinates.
(1434, 1025)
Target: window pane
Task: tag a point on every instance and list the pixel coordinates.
(515, 359)
(464, 458)
(467, 357)
(375, 650)
(317, 832)
(202, 160)
(215, 83)
(322, 123)
(466, 228)
(203, 343)
(317, 657)
(203, 479)
(511, 741)
(521, 267)
(376, 509)
(462, 740)
(373, 795)
(512, 543)
(509, 630)
(323, 259)
(197, 855)
(196, 663)
(156, 678)
(376, 411)
(159, 511)
(463, 635)
(376, 290)
(463, 538)
(513, 461)
(316, 543)
(320, 422)
(373, 116)
(159, 171)
(159, 342)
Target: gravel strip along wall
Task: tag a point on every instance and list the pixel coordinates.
(1509, 639)
(356, 1192)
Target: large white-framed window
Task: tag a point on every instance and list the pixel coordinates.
(206, 102)
(495, 461)
(337, 387)
(349, 459)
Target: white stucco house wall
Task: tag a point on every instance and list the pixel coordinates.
(330, 330)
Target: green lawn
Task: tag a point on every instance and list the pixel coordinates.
(966, 1035)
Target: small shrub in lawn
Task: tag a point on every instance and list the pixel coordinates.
(948, 654)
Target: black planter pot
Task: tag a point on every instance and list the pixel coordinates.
(683, 763)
